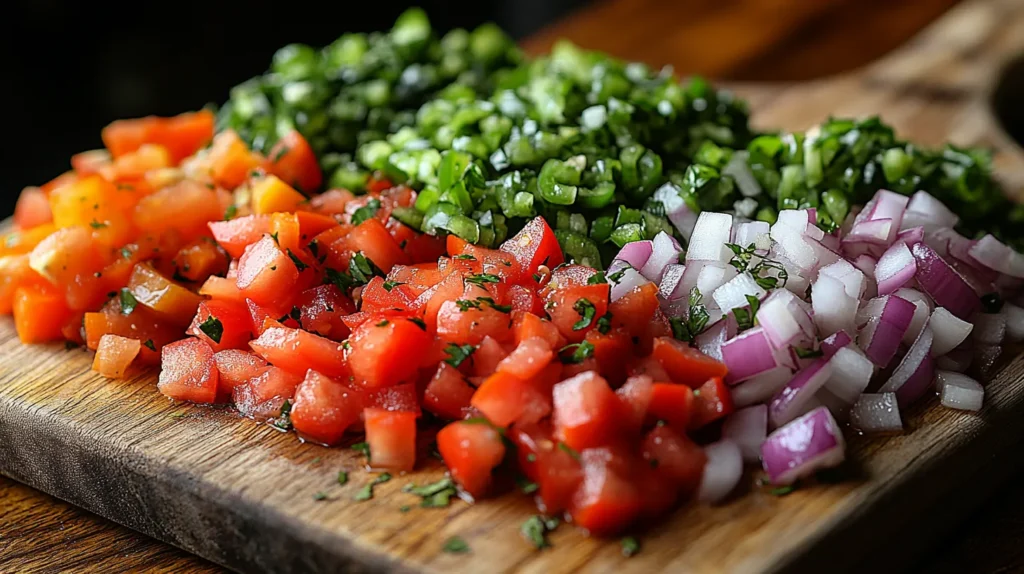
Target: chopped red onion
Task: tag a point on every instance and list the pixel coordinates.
(958, 360)
(997, 256)
(635, 254)
(866, 264)
(985, 359)
(834, 342)
(926, 207)
(747, 427)
(788, 403)
(887, 205)
(895, 268)
(880, 338)
(631, 279)
(734, 293)
(805, 445)
(922, 310)
(989, 328)
(824, 398)
(785, 320)
(721, 472)
(680, 214)
(834, 309)
(915, 373)
(747, 355)
(792, 246)
(664, 250)
(958, 391)
(753, 233)
(1014, 322)
(712, 276)
(949, 331)
(711, 340)
(853, 279)
(762, 387)
(940, 281)
(873, 413)
(910, 236)
(851, 373)
(874, 231)
(712, 232)
(670, 280)
(740, 172)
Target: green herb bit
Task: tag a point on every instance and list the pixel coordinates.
(465, 257)
(389, 285)
(213, 328)
(365, 212)
(383, 323)
(404, 508)
(526, 486)
(436, 494)
(366, 492)
(580, 352)
(569, 450)
(126, 252)
(597, 278)
(128, 301)
(481, 278)
(617, 276)
(455, 545)
(97, 224)
(418, 322)
(320, 496)
(230, 212)
(630, 546)
(586, 310)
(284, 420)
(364, 448)
(457, 354)
(535, 530)
(467, 304)
(148, 343)
(489, 301)
(782, 490)
(808, 353)
(604, 324)
(298, 262)
(342, 477)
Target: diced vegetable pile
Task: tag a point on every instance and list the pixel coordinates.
(598, 281)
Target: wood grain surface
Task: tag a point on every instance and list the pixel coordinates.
(243, 495)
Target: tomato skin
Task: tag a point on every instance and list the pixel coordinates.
(648, 366)
(387, 352)
(471, 451)
(567, 276)
(608, 499)
(527, 325)
(711, 401)
(672, 404)
(114, 355)
(171, 301)
(533, 246)
(236, 234)
(324, 408)
(447, 395)
(505, 399)
(234, 320)
(418, 246)
(684, 364)
(236, 367)
(612, 352)
(373, 240)
(529, 358)
(586, 412)
(678, 458)
(185, 207)
(223, 289)
(295, 350)
(525, 300)
(188, 372)
(561, 305)
(32, 209)
(293, 160)
(265, 274)
(447, 290)
(263, 396)
(322, 309)
(392, 439)
(634, 310)
(404, 397)
(657, 493)
(332, 201)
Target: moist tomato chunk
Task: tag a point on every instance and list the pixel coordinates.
(188, 371)
(586, 412)
(296, 351)
(505, 398)
(391, 436)
(711, 401)
(264, 396)
(236, 367)
(447, 394)
(266, 274)
(684, 364)
(671, 404)
(674, 456)
(324, 408)
(554, 467)
(575, 310)
(471, 450)
(222, 324)
(533, 246)
(608, 499)
(386, 352)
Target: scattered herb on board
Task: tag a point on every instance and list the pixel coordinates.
(536, 528)
(435, 495)
(455, 545)
(366, 492)
(342, 477)
(630, 546)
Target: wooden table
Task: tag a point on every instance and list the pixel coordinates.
(741, 39)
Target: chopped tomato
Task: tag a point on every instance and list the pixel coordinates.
(39, 313)
(470, 318)
(185, 207)
(236, 367)
(270, 194)
(188, 372)
(199, 260)
(648, 366)
(505, 399)
(222, 324)
(332, 201)
(141, 324)
(324, 408)
(634, 310)
(528, 325)
(636, 396)
(263, 397)
(611, 351)
(312, 224)
(321, 311)
(292, 160)
(237, 234)
(684, 364)
(114, 354)
(391, 436)
(296, 351)
(372, 239)
(575, 310)
(380, 295)
(449, 289)
(386, 352)
(671, 404)
(266, 274)
(448, 394)
(675, 456)
(223, 289)
(471, 451)
(586, 412)
(170, 300)
(25, 240)
(608, 499)
(90, 162)
(525, 300)
(32, 209)
(711, 401)
(182, 135)
(486, 357)
(554, 467)
(533, 246)
(528, 359)
(230, 160)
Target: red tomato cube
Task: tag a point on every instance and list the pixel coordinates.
(392, 439)
(471, 450)
(684, 364)
(226, 320)
(586, 412)
(448, 394)
(386, 352)
(188, 372)
(505, 399)
(324, 408)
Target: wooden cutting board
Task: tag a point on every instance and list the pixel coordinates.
(244, 495)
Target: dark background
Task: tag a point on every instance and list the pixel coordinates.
(72, 67)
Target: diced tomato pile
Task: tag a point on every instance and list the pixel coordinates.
(325, 315)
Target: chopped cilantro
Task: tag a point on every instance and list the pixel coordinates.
(579, 352)
(230, 212)
(586, 309)
(481, 278)
(298, 262)
(365, 212)
(342, 477)
(455, 545)
(213, 328)
(128, 301)
(389, 285)
(458, 353)
(383, 323)
(465, 256)
(630, 546)
(148, 343)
